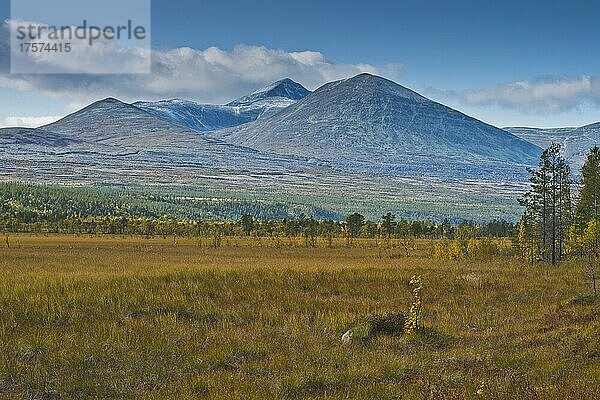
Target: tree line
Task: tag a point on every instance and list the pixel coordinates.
(41, 203)
(47, 209)
(353, 227)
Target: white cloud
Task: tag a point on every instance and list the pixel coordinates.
(102, 57)
(211, 75)
(542, 96)
(27, 122)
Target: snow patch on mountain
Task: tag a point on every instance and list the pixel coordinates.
(283, 89)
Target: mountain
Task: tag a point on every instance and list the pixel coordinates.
(368, 122)
(195, 116)
(111, 119)
(362, 144)
(205, 117)
(112, 128)
(580, 142)
(111, 143)
(575, 142)
(283, 90)
(542, 137)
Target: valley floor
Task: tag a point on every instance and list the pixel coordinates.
(90, 317)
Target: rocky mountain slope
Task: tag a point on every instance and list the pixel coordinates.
(370, 124)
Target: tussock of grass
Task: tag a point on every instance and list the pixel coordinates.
(388, 324)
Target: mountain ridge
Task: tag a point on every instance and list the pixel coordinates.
(207, 117)
(580, 142)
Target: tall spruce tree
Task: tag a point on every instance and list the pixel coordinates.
(548, 205)
(588, 206)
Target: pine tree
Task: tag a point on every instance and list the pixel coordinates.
(387, 224)
(548, 205)
(584, 236)
(355, 223)
(247, 224)
(564, 204)
(588, 206)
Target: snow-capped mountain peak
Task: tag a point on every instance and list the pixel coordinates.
(208, 117)
(285, 89)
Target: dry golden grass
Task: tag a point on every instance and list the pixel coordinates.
(85, 317)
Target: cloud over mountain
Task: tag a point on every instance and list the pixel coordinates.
(540, 96)
(210, 75)
(28, 122)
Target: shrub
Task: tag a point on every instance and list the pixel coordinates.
(416, 309)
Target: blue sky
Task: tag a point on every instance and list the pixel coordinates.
(508, 63)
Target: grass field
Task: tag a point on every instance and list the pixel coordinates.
(168, 319)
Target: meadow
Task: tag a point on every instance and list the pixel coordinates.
(134, 318)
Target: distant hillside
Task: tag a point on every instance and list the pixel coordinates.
(579, 143)
(35, 203)
(575, 142)
(542, 137)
